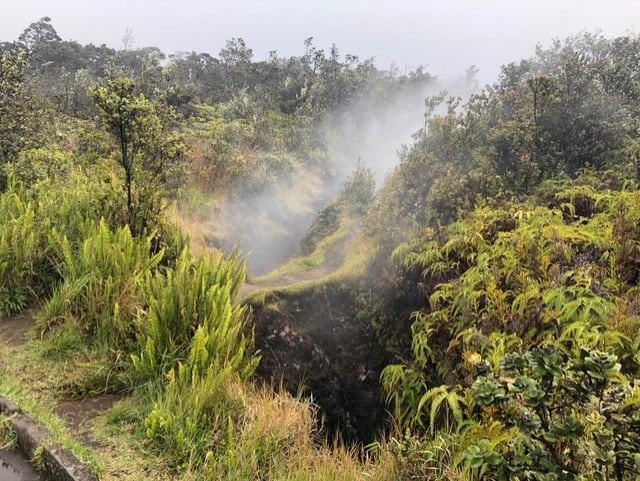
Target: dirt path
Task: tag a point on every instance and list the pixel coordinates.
(333, 260)
(14, 330)
(77, 414)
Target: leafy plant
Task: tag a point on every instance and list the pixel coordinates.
(575, 416)
(357, 191)
(147, 152)
(103, 281)
(480, 457)
(194, 335)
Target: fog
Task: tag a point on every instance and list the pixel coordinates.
(445, 37)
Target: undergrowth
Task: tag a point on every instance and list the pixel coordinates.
(526, 345)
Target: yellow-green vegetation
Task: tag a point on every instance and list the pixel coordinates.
(8, 439)
(306, 272)
(528, 347)
(315, 259)
(166, 335)
(339, 220)
(275, 436)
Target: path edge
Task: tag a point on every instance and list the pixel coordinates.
(58, 463)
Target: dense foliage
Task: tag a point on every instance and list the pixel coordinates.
(572, 106)
(530, 337)
(519, 216)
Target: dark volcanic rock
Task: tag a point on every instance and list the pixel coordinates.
(311, 342)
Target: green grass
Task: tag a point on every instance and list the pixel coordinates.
(358, 255)
(274, 439)
(8, 439)
(32, 379)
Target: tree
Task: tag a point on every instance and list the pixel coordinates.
(147, 152)
(40, 32)
(17, 110)
(236, 52)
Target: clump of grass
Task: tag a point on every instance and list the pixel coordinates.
(193, 338)
(8, 438)
(196, 295)
(277, 438)
(29, 215)
(103, 278)
(20, 251)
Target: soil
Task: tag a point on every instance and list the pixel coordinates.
(77, 414)
(14, 330)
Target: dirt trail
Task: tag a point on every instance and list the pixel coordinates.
(333, 260)
(77, 414)
(14, 330)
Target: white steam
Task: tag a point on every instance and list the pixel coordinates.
(270, 225)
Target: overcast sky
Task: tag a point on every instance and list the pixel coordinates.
(447, 36)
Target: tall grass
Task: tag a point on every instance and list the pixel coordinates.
(196, 295)
(278, 439)
(103, 280)
(193, 335)
(30, 215)
(19, 252)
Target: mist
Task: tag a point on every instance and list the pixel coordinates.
(268, 226)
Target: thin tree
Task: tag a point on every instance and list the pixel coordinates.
(146, 151)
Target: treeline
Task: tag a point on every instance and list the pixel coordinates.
(250, 126)
(572, 106)
(311, 84)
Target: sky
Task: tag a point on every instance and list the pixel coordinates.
(445, 36)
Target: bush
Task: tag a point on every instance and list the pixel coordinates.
(357, 191)
(20, 252)
(326, 223)
(525, 340)
(570, 415)
(30, 215)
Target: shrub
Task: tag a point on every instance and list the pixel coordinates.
(357, 191)
(526, 338)
(573, 415)
(20, 252)
(326, 223)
